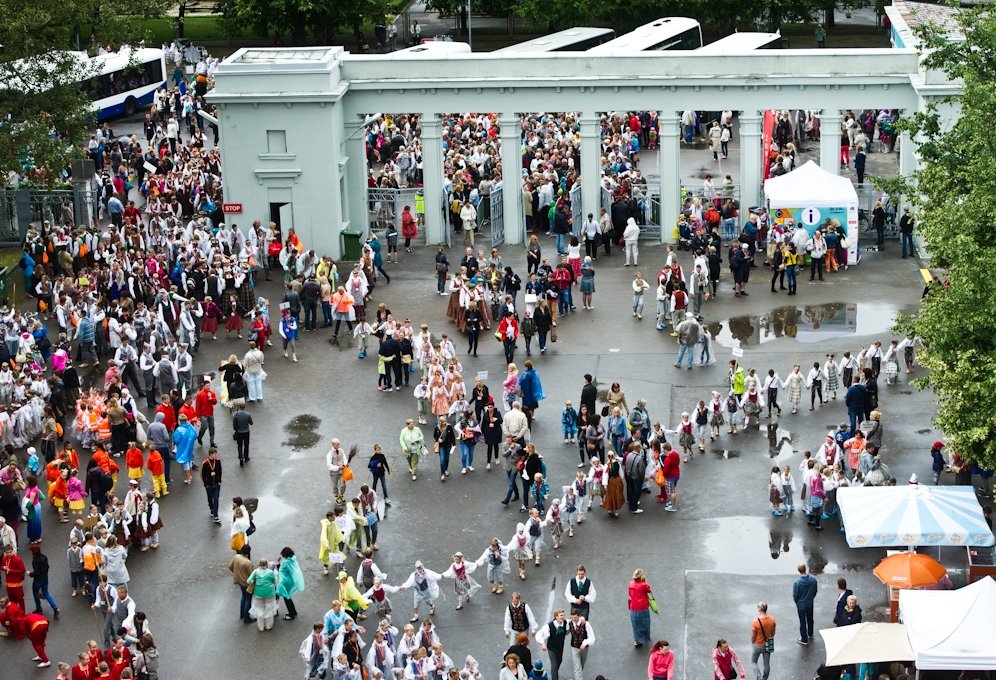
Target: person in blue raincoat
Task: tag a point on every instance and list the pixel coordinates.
(27, 265)
(184, 437)
(291, 581)
(378, 259)
(531, 387)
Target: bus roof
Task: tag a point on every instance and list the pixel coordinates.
(430, 48)
(646, 36)
(739, 43)
(556, 41)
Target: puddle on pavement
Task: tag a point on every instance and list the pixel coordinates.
(302, 432)
(767, 546)
(271, 509)
(809, 324)
(726, 454)
(779, 443)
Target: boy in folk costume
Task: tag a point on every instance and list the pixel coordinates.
(380, 657)
(496, 557)
(368, 571)
(149, 523)
(582, 491)
(378, 593)
(422, 395)
(424, 584)
(534, 528)
(519, 618)
(571, 509)
(463, 584)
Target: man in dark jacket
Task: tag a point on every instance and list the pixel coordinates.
(854, 399)
(635, 464)
(310, 292)
(804, 594)
(843, 592)
(561, 228)
(589, 393)
(390, 349)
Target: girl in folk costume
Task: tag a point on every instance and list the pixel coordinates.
(424, 354)
(519, 550)
(149, 523)
(597, 480)
(380, 656)
(534, 529)
(389, 632)
(440, 397)
(752, 406)
(732, 412)
(686, 436)
(571, 509)
(212, 313)
(496, 556)
(453, 310)
(330, 541)
(832, 372)
(377, 593)
(788, 488)
(581, 488)
(259, 331)
(701, 421)
(234, 317)
(463, 583)
(795, 383)
(424, 584)
(715, 408)
(484, 304)
(427, 636)
(117, 522)
(775, 492)
(554, 518)
(423, 394)
(440, 662)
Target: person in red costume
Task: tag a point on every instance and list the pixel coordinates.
(31, 626)
(13, 572)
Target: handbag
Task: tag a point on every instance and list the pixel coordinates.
(769, 642)
(845, 242)
(531, 298)
(440, 267)
(498, 336)
(435, 447)
(653, 604)
(347, 473)
(659, 478)
(605, 411)
(553, 335)
(250, 587)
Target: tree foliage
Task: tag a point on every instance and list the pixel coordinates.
(46, 115)
(955, 208)
(299, 19)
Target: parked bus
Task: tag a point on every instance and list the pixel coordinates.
(429, 48)
(577, 39)
(125, 81)
(739, 43)
(669, 33)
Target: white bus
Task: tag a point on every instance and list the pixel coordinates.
(577, 39)
(739, 43)
(124, 81)
(429, 48)
(669, 33)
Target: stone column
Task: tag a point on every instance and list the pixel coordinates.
(356, 178)
(591, 165)
(511, 178)
(830, 121)
(669, 157)
(751, 156)
(432, 178)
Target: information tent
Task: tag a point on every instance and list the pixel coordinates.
(810, 195)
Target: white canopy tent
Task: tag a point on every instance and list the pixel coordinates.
(866, 642)
(812, 194)
(952, 629)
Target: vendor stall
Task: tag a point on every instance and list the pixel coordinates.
(809, 195)
(866, 642)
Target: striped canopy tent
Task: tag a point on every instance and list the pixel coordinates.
(912, 515)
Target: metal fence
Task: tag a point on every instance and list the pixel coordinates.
(867, 196)
(21, 209)
(577, 210)
(496, 208)
(385, 206)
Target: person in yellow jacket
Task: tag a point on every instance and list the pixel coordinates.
(790, 258)
(350, 596)
(330, 544)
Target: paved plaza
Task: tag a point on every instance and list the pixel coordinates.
(708, 564)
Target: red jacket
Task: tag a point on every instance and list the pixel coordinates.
(670, 465)
(13, 570)
(205, 401)
(155, 463)
(169, 416)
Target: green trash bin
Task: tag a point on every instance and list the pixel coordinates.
(351, 245)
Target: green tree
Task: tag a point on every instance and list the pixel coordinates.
(955, 207)
(298, 19)
(46, 114)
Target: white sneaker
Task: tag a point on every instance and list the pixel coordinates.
(567, 440)
(638, 511)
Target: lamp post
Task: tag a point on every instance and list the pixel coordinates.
(470, 30)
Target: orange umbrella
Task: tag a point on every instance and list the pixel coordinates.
(909, 570)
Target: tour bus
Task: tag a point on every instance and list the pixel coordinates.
(668, 33)
(577, 39)
(738, 43)
(429, 48)
(125, 81)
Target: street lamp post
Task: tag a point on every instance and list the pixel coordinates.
(470, 30)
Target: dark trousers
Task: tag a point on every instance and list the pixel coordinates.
(816, 268)
(472, 342)
(556, 658)
(876, 366)
(242, 439)
(634, 489)
(525, 490)
(778, 275)
(213, 493)
(130, 375)
(513, 491)
(773, 400)
(207, 425)
(291, 609)
(805, 623)
(310, 316)
(509, 350)
(164, 452)
(847, 375)
(816, 391)
(244, 604)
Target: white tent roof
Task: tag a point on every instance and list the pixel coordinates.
(866, 642)
(810, 186)
(912, 514)
(952, 629)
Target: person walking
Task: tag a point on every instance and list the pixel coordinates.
(551, 638)
(762, 639)
(635, 466)
(211, 477)
(336, 461)
(445, 439)
(582, 637)
(906, 224)
(39, 579)
(241, 424)
(241, 568)
(804, 594)
(204, 405)
(661, 663)
(688, 332)
(640, 599)
(640, 287)
(724, 659)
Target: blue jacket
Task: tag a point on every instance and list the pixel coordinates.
(531, 387)
(804, 591)
(184, 437)
(855, 398)
(375, 247)
(86, 332)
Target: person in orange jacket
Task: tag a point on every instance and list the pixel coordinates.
(157, 469)
(107, 464)
(135, 461)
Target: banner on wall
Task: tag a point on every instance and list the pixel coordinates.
(767, 134)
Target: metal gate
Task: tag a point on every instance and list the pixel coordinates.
(497, 217)
(577, 211)
(445, 215)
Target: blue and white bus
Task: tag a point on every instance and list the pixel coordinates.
(741, 43)
(667, 33)
(124, 81)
